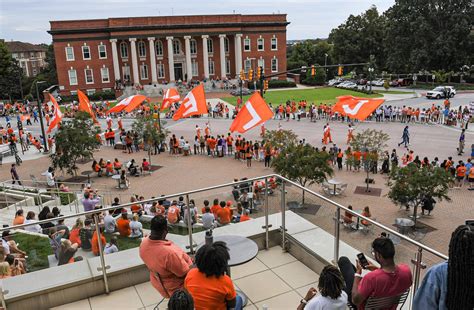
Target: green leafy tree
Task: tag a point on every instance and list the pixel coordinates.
(318, 79)
(309, 52)
(359, 37)
(10, 74)
(411, 185)
(302, 164)
(429, 35)
(372, 143)
(386, 85)
(280, 138)
(49, 73)
(149, 129)
(75, 139)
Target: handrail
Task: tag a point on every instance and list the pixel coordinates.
(10, 181)
(391, 231)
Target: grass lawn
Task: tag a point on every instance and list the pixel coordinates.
(124, 243)
(314, 95)
(37, 249)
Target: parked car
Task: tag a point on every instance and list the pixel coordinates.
(394, 83)
(245, 92)
(378, 82)
(361, 82)
(441, 92)
(335, 82)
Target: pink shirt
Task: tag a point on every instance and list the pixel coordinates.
(169, 260)
(380, 283)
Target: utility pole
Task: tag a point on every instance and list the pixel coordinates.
(41, 116)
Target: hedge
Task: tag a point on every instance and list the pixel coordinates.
(277, 84)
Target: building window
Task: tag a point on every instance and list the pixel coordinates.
(69, 53)
(86, 52)
(274, 64)
(143, 72)
(33, 64)
(210, 46)
(15, 55)
(211, 67)
(104, 72)
(123, 50)
(247, 65)
(34, 71)
(274, 44)
(261, 63)
(89, 76)
(176, 47)
(246, 45)
(72, 77)
(159, 48)
(141, 49)
(161, 71)
(90, 92)
(227, 66)
(102, 51)
(226, 45)
(73, 92)
(193, 47)
(194, 66)
(260, 46)
(126, 72)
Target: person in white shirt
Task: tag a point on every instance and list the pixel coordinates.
(136, 227)
(50, 181)
(111, 247)
(30, 218)
(331, 295)
(110, 225)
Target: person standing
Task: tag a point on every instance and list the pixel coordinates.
(14, 174)
(462, 139)
(405, 137)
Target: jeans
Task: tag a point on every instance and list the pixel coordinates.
(238, 303)
(348, 270)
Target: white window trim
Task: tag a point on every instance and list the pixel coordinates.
(159, 42)
(178, 42)
(90, 55)
(227, 66)
(210, 42)
(69, 76)
(125, 71)
(271, 64)
(141, 75)
(158, 71)
(120, 48)
(141, 43)
(190, 46)
(72, 48)
(213, 67)
(276, 45)
(105, 50)
(263, 45)
(92, 75)
(226, 40)
(250, 45)
(102, 75)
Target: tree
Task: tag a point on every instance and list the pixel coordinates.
(372, 144)
(318, 79)
(411, 185)
(49, 73)
(309, 52)
(429, 35)
(149, 129)
(302, 163)
(359, 37)
(280, 138)
(75, 139)
(10, 74)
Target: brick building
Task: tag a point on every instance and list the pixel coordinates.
(30, 57)
(92, 54)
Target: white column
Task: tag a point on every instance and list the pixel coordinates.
(136, 79)
(222, 52)
(189, 67)
(205, 56)
(115, 60)
(170, 58)
(238, 53)
(151, 42)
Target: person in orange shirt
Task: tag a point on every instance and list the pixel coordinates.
(123, 225)
(212, 145)
(229, 141)
(120, 125)
(340, 155)
(207, 130)
(208, 284)
(198, 132)
(245, 216)
(350, 134)
(470, 177)
(357, 155)
(224, 215)
(216, 206)
(117, 166)
(173, 213)
(95, 242)
(19, 218)
(460, 174)
(109, 168)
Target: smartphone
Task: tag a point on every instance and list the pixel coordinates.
(470, 222)
(362, 260)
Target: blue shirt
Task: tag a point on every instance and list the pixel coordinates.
(468, 166)
(433, 289)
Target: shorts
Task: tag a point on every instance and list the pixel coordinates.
(459, 178)
(471, 180)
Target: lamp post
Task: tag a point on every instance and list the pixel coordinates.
(41, 116)
(371, 70)
(325, 64)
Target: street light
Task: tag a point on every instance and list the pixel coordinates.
(371, 70)
(41, 115)
(325, 64)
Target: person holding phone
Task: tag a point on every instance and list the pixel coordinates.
(388, 280)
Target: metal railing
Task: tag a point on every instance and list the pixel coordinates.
(94, 213)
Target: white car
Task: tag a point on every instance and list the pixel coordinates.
(379, 82)
(441, 92)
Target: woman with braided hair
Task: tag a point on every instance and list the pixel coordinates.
(181, 300)
(449, 285)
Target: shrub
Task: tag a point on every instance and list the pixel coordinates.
(277, 84)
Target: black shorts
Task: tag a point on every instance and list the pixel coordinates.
(459, 178)
(471, 180)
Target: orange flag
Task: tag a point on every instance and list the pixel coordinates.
(124, 104)
(57, 117)
(354, 107)
(85, 105)
(170, 96)
(254, 112)
(193, 104)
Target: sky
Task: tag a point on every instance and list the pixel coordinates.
(28, 20)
